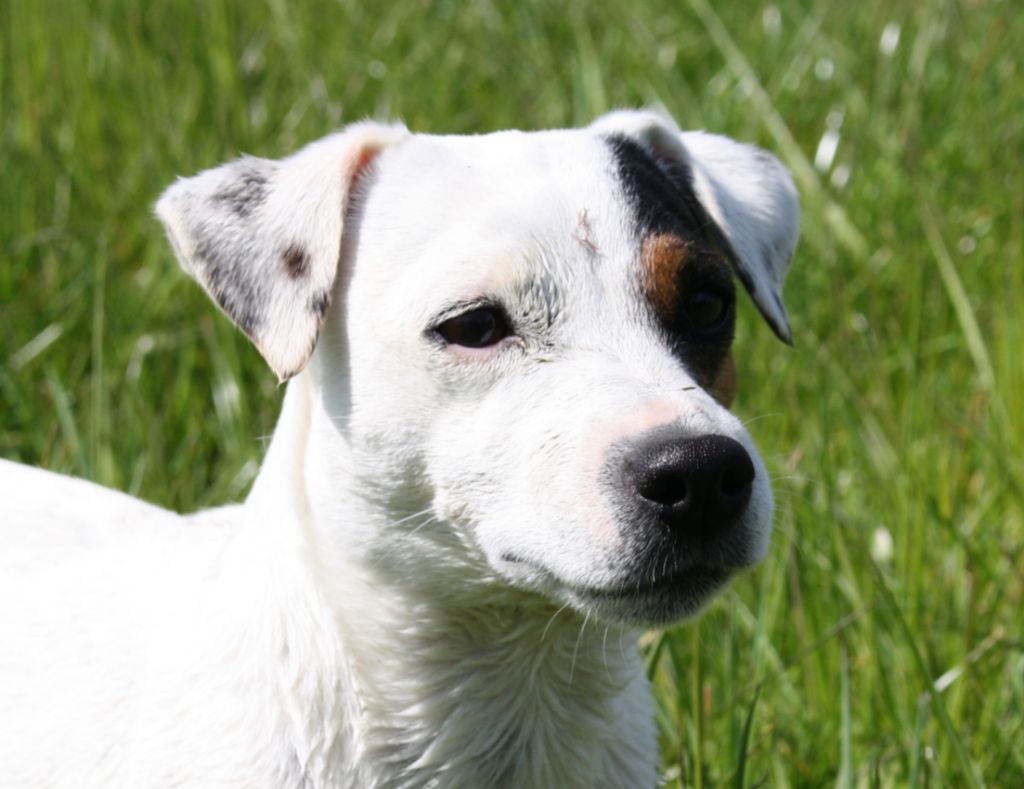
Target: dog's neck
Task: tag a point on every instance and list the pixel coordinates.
(406, 687)
(491, 691)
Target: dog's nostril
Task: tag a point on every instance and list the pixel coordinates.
(667, 488)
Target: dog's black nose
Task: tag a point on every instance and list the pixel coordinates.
(691, 485)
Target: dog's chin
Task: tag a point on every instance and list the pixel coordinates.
(657, 603)
(635, 599)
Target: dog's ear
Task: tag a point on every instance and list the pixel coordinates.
(263, 237)
(746, 191)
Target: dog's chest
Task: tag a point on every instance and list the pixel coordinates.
(569, 710)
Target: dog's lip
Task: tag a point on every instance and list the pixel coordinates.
(696, 580)
(638, 598)
(689, 581)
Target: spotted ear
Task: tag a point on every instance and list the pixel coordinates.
(747, 193)
(263, 237)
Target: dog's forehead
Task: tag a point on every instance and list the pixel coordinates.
(568, 156)
(481, 211)
(500, 204)
(506, 182)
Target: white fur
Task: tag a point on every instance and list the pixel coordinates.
(358, 621)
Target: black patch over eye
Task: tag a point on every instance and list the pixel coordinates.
(479, 328)
(705, 312)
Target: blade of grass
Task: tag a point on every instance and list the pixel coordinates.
(66, 419)
(968, 769)
(696, 686)
(744, 745)
(844, 779)
(917, 746)
(958, 297)
(803, 171)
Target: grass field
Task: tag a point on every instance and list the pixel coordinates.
(882, 641)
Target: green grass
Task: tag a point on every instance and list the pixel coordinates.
(900, 409)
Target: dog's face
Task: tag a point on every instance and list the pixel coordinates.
(530, 339)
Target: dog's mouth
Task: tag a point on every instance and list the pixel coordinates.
(644, 599)
(693, 582)
(655, 601)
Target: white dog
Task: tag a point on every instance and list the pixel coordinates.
(504, 448)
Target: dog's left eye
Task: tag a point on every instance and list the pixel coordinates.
(479, 328)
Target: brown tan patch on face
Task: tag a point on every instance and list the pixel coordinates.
(690, 292)
(662, 257)
(723, 388)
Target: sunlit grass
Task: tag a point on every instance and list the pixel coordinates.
(899, 411)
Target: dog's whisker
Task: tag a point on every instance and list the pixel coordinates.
(783, 494)
(770, 415)
(394, 546)
(575, 649)
(428, 522)
(419, 514)
(604, 653)
(805, 478)
(552, 620)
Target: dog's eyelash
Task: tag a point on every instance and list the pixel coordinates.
(479, 328)
(454, 325)
(454, 309)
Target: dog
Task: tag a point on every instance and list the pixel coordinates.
(505, 447)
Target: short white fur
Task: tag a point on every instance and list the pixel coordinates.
(401, 600)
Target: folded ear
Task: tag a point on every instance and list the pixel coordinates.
(747, 193)
(751, 196)
(263, 237)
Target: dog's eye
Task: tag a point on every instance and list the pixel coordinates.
(706, 311)
(479, 328)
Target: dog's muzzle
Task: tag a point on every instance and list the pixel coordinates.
(681, 504)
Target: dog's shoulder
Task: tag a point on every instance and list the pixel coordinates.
(43, 510)
(61, 531)
(93, 584)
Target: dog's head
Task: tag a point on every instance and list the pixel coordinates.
(525, 335)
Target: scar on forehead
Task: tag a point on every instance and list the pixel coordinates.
(582, 233)
(662, 258)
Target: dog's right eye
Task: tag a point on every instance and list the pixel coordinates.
(479, 328)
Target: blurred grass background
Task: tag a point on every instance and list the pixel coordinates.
(882, 642)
